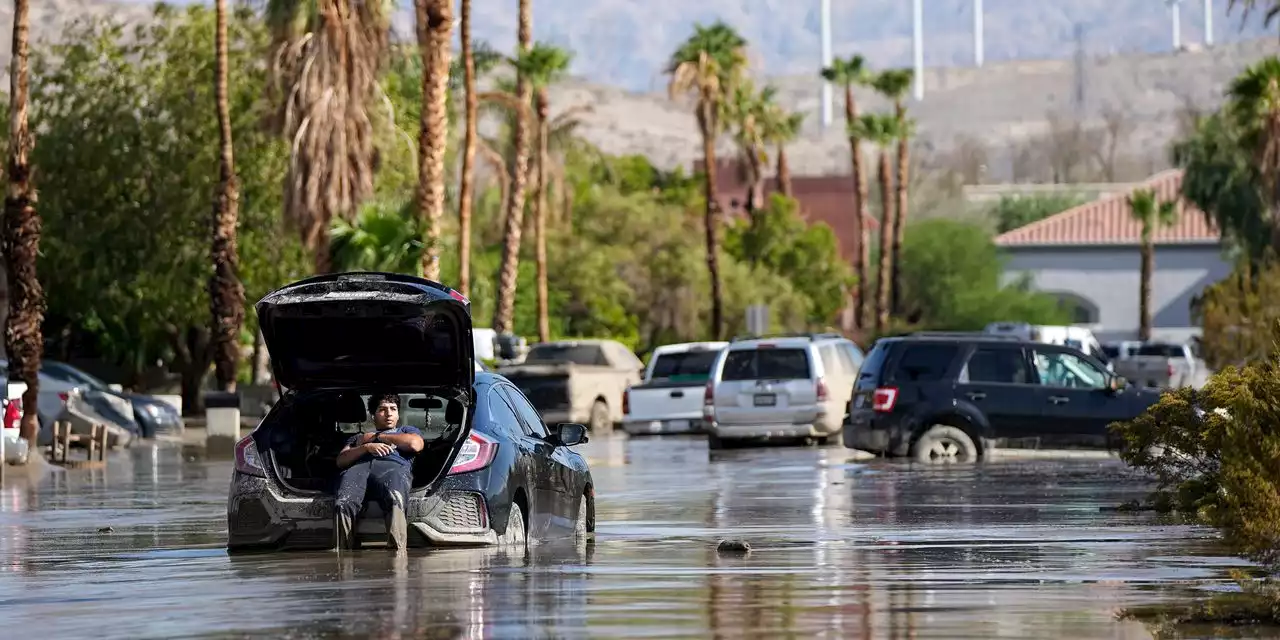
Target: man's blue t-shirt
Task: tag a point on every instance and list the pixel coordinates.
(396, 454)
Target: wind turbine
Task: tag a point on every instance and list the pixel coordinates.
(1208, 23)
(1175, 8)
(826, 61)
(978, 46)
(917, 41)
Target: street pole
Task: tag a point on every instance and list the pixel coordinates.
(826, 62)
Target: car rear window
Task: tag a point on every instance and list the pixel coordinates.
(690, 365)
(1161, 350)
(766, 364)
(924, 362)
(559, 353)
(874, 361)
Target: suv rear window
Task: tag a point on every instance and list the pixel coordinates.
(689, 365)
(766, 364)
(871, 365)
(1161, 350)
(924, 362)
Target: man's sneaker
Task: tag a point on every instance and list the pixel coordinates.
(344, 533)
(397, 529)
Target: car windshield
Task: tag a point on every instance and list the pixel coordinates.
(766, 364)
(67, 373)
(566, 353)
(693, 366)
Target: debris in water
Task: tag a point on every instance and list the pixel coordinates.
(733, 547)
(106, 530)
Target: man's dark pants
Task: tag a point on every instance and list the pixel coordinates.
(389, 481)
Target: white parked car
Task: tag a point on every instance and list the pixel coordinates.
(789, 387)
(669, 399)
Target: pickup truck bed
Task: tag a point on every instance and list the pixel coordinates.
(664, 407)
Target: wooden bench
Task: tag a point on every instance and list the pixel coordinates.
(95, 445)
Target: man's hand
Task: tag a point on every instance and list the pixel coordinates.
(379, 449)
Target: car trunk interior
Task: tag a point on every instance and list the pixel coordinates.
(301, 437)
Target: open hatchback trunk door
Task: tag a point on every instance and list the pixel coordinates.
(369, 330)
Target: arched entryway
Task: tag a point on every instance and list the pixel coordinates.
(1081, 309)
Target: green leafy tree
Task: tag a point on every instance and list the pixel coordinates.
(1152, 214)
(127, 134)
(951, 278)
(894, 85)
(1253, 106)
(1014, 212)
(1237, 314)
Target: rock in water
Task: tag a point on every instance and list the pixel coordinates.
(737, 547)
(105, 530)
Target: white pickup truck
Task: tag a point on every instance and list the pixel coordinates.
(670, 398)
(1163, 365)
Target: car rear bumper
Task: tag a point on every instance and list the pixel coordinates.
(875, 433)
(262, 516)
(766, 431)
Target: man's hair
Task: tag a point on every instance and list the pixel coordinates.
(377, 399)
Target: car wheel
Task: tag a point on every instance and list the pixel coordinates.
(943, 443)
(515, 534)
(580, 529)
(600, 421)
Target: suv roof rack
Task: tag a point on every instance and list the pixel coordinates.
(809, 336)
(971, 335)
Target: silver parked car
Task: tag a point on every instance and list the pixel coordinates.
(788, 387)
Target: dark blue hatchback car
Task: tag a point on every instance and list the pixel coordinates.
(491, 472)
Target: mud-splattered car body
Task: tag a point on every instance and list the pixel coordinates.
(489, 458)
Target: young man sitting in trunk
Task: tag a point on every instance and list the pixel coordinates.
(381, 462)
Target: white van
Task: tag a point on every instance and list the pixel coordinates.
(1078, 338)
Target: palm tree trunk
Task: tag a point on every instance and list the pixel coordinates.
(755, 194)
(467, 186)
(435, 26)
(784, 173)
(1144, 288)
(900, 215)
(23, 340)
(226, 293)
(712, 220)
(886, 240)
(504, 310)
(862, 248)
(540, 220)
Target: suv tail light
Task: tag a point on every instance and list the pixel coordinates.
(822, 390)
(64, 395)
(626, 402)
(709, 396)
(12, 413)
(476, 453)
(1170, 370)
(884, 399)
(248, 461)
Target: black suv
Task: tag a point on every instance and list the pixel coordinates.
(946, 396)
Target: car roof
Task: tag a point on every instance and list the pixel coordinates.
(686, 347)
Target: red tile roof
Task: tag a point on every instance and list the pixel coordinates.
(1107, 221)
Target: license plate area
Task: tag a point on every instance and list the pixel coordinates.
(765, 400)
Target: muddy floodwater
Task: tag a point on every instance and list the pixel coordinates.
(840, 549)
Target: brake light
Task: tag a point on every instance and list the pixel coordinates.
(884, 399)
(63, 396)
(709, 396)
(457, 295)
(1170, 369)
(626, 402)
(766, 345)
(248, 461)
(476, 453)
(12, 413)
(822, 390)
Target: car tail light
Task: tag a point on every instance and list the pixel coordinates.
(63, 396)
(709, 396)
(476, 453)
(248, 461)
(884, 399)
(1170, 369)
(626, 402)
(822, 390)
(12, 413)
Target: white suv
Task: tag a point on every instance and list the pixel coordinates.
(794, 387)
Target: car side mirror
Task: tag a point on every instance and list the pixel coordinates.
(568, 434)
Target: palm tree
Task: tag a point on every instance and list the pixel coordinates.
(23, 339)
(326, 58)
(382, 237)
(882, 131)
(847, 73)
(504, 309)
(782, 128)
(1271, 8)
(1253, 105)
(707, 66)
(226, 293)
(543, 65)
(894, 85)
(1149, 212)
(435, 31)
(467, 180)
(748, 111)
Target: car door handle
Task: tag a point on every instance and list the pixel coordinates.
(1059, 399)
(976, 395)
(677, 394)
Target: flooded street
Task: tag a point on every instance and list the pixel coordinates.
(839, 549)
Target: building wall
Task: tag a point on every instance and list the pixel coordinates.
(1106, 279)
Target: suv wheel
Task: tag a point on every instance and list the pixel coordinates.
(601, 423)
(943, 443)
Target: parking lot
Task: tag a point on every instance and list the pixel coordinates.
(840, 548)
